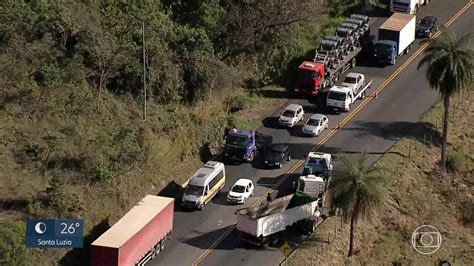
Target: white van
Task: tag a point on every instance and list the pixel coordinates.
(204, 185)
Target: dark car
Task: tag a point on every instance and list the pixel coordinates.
(427, 26)
(278, 154)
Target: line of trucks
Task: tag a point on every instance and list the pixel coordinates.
(333, 58)
(142, 232)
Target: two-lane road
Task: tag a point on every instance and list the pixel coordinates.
(207, 237)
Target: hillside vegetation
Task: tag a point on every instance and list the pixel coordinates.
(73, 142)
(418, 195)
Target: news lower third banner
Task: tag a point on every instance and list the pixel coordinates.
(54, 233)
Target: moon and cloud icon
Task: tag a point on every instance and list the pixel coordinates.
(40, 228)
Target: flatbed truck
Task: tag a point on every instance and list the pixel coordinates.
(341, 97)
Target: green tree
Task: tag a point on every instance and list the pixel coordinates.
(56, 194)
(356, 191)
(12, 244)
(449, 65)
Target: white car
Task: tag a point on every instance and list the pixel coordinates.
(291, 115)
(240, 191)
(315, 124)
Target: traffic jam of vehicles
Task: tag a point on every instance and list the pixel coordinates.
(141, 234)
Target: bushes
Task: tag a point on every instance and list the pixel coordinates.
(12, 244)
(102, 172)
(467, 211)
(242, 100)
(460, 161)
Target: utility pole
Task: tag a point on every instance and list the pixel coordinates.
(144, 71)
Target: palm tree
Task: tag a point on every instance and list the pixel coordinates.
(356, 191)
(450, 64)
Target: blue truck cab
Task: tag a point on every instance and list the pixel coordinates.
(386, 51)
(320, 164)
(395, 36)
(245, 145)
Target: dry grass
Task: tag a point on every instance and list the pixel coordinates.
(68, 129)
(419, 195)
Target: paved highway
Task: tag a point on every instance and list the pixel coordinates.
(207, 237)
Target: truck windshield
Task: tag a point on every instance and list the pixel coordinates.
(338, 96)
(384, 47)
(194, 190)
(401, 3)
(350, 80)
(289, 113)
(314, 168)
(307, 74)
(240, 141)
(238, 189)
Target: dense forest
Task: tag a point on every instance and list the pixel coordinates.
(72, 133)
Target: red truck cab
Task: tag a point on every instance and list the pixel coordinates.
(309, 79)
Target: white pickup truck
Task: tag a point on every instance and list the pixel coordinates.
(262, 224)
(341, 97)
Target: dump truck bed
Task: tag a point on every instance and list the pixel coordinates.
(275, 216)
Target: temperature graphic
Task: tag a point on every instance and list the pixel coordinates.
(54, 233)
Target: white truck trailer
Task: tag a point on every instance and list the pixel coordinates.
(396, 35)
(262, 224)
(341, 97)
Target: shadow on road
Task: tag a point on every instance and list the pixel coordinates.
(269, 182)
(205, 239)
(423, 132)
(82, 256)
(296, 131)
(300, 150)
(271, 122)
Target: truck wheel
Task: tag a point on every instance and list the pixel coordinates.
(162, 246)
(280, 165)
(252, 156)
(362, 96)
(157, 249)
(265, 242)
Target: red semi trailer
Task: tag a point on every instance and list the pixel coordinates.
(138, 236)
